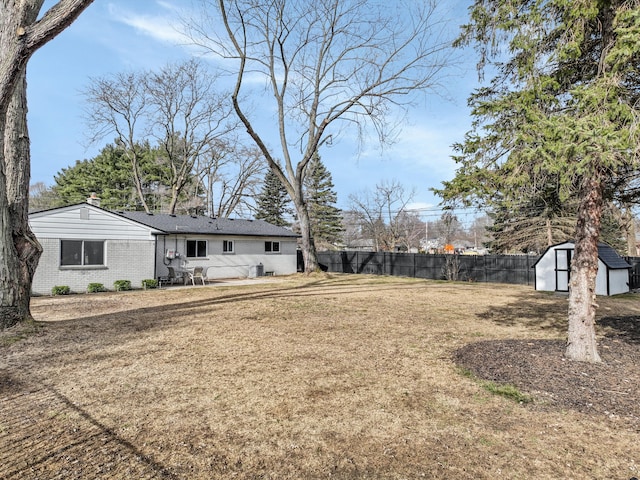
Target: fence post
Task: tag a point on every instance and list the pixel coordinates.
(414, 265)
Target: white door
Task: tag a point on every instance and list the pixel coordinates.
(563, 270)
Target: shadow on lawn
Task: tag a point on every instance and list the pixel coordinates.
(549, 312)
(65, 438)
(316, 288)
(626, 328)
(86, 331)
(533, 310)
(111, 436)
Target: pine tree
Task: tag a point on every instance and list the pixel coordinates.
(562, 104)
(109, 175)
(273, 203)
(324, 216)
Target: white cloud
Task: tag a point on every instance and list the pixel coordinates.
(420, 206)
(160, 26)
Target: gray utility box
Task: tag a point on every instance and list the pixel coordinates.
(256, 271)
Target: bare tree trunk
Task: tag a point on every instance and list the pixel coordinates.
(630, 230)
(173, 203)
(309, 253)
(10, 307)
(17, 168)
(581, 340)
(549, 232)
(20, 37)
(19, 250)
(137, 176)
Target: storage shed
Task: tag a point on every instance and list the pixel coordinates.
(553, 270)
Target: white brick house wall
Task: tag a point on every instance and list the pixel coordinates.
(120, 265)
(129, 248)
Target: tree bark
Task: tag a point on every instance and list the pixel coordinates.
(15, 252)
(549, 232)
(21, 34)
(581, 340)
(10, 308)
(309, 254)
(630, 230)
(17, 166)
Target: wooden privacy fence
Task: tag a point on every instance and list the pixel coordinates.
(515, 269)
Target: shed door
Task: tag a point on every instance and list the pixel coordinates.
(563, 270)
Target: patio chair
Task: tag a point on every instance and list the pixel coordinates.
(197, 275)
(205, 274)
(173, 276)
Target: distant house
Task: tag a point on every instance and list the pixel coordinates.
(85, 244)
(553, 270)
(361, 244)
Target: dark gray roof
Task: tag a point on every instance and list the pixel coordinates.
(610, 257)
(201, 225)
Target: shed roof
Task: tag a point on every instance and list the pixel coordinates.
(203, 225)
(610, 257)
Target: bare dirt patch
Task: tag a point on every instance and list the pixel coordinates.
(316, 377)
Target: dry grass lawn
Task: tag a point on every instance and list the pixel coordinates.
(327, 376)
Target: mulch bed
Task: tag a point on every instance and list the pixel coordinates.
(538, 368)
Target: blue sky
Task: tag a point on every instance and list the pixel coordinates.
(121, 35)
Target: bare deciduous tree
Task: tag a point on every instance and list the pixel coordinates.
(382, 213)
(41, 197)
(178, 106)
(231, 174)
(326, 64)
(447, 228)
(117, 105)
(21, 34)
(186, 116)
(411, 230)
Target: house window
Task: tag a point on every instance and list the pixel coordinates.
(81, 252)
(272, 247)
(227, 246)
(196, 248)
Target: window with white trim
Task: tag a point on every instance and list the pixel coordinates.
(196, 248)
(272, 247)
(81, 252)
(227, 246)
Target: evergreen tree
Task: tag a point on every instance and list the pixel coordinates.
(109, 176)
(273, 203)
(324, 217)
(563, 105)
(540, 219)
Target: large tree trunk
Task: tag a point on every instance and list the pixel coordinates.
(15, 248)
(18, 173)
(20, 36)
(10, 308)
(309, 254)
(581, 340)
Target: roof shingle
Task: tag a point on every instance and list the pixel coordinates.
(202, 225)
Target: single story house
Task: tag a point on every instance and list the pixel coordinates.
(85, 244)
(553, 270)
